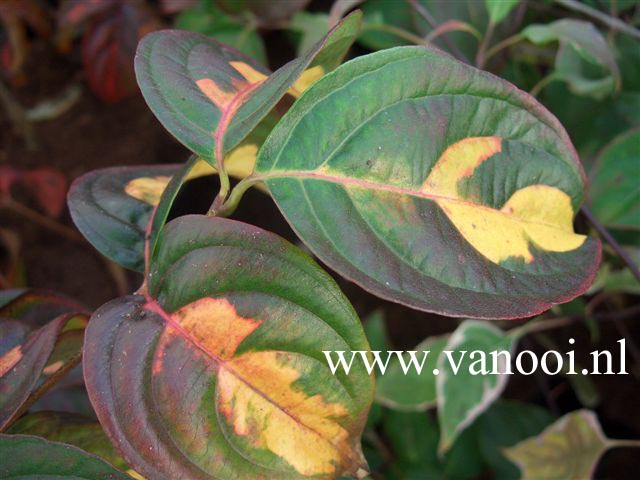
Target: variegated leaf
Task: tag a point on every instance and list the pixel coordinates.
(210, 96)
(220, 361)
(32, 359)
(433, 184)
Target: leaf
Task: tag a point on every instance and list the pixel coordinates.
(580, 43)
(464, 394)
(204, 17)
(504, 424)
(108, 48)
(311, 26)
(404, 16)
(73, 429)
(207, 94)
(499, 9)
(112, 206)
(46, 185)
(29, 359)
(568, 449)
(450, 192)
(376, 331)
(266, 14)
(615, 192)
(414, 439)
(33, 457)
(412, 391)
(231, 381)
(35, 307)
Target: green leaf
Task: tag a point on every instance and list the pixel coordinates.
(499, 9)
(249, 315)
(204, 17)
(311, 26)
(504, 424)
(36, 308)
(112, 206)
(376, 331)
(470, 378)
(434, 185)
(412, 391)
(570, 448)
(265, 14)
(615, 190)
(414, 440)
(73, 429)
(379, 14)
(581, 44)
(33, 457)
(211, 96)
(31, 360)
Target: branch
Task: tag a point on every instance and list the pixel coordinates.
(424, 13)
(604, 233)
(608, 20)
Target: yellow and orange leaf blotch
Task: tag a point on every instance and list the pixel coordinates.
(258, 397)
(10, 360)
(539, 215)
(223, 98)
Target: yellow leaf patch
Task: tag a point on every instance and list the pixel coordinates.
(257, 392)
(147, 189)
(222, 98)
(538, 214)
(10, 359)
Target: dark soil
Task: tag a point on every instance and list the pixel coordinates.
(93, 135)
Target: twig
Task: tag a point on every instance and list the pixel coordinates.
(613, 243)
(398, 32)
(549, 324)
(116, 272)
(544, 81)
(608, 20)
(18, 117)
(424, 13)
(482, 48)
(501, 45)
(543, 383)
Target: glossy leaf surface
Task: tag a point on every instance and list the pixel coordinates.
(33, 457)
(433, 184)
(470, 380)
(230, 381)
(615, 190)
(568, 449)
(206, 93)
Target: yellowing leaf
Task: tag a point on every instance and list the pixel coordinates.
(541, 215)
(567, 450)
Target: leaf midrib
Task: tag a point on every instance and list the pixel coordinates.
(384, 187)
(153, 306)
